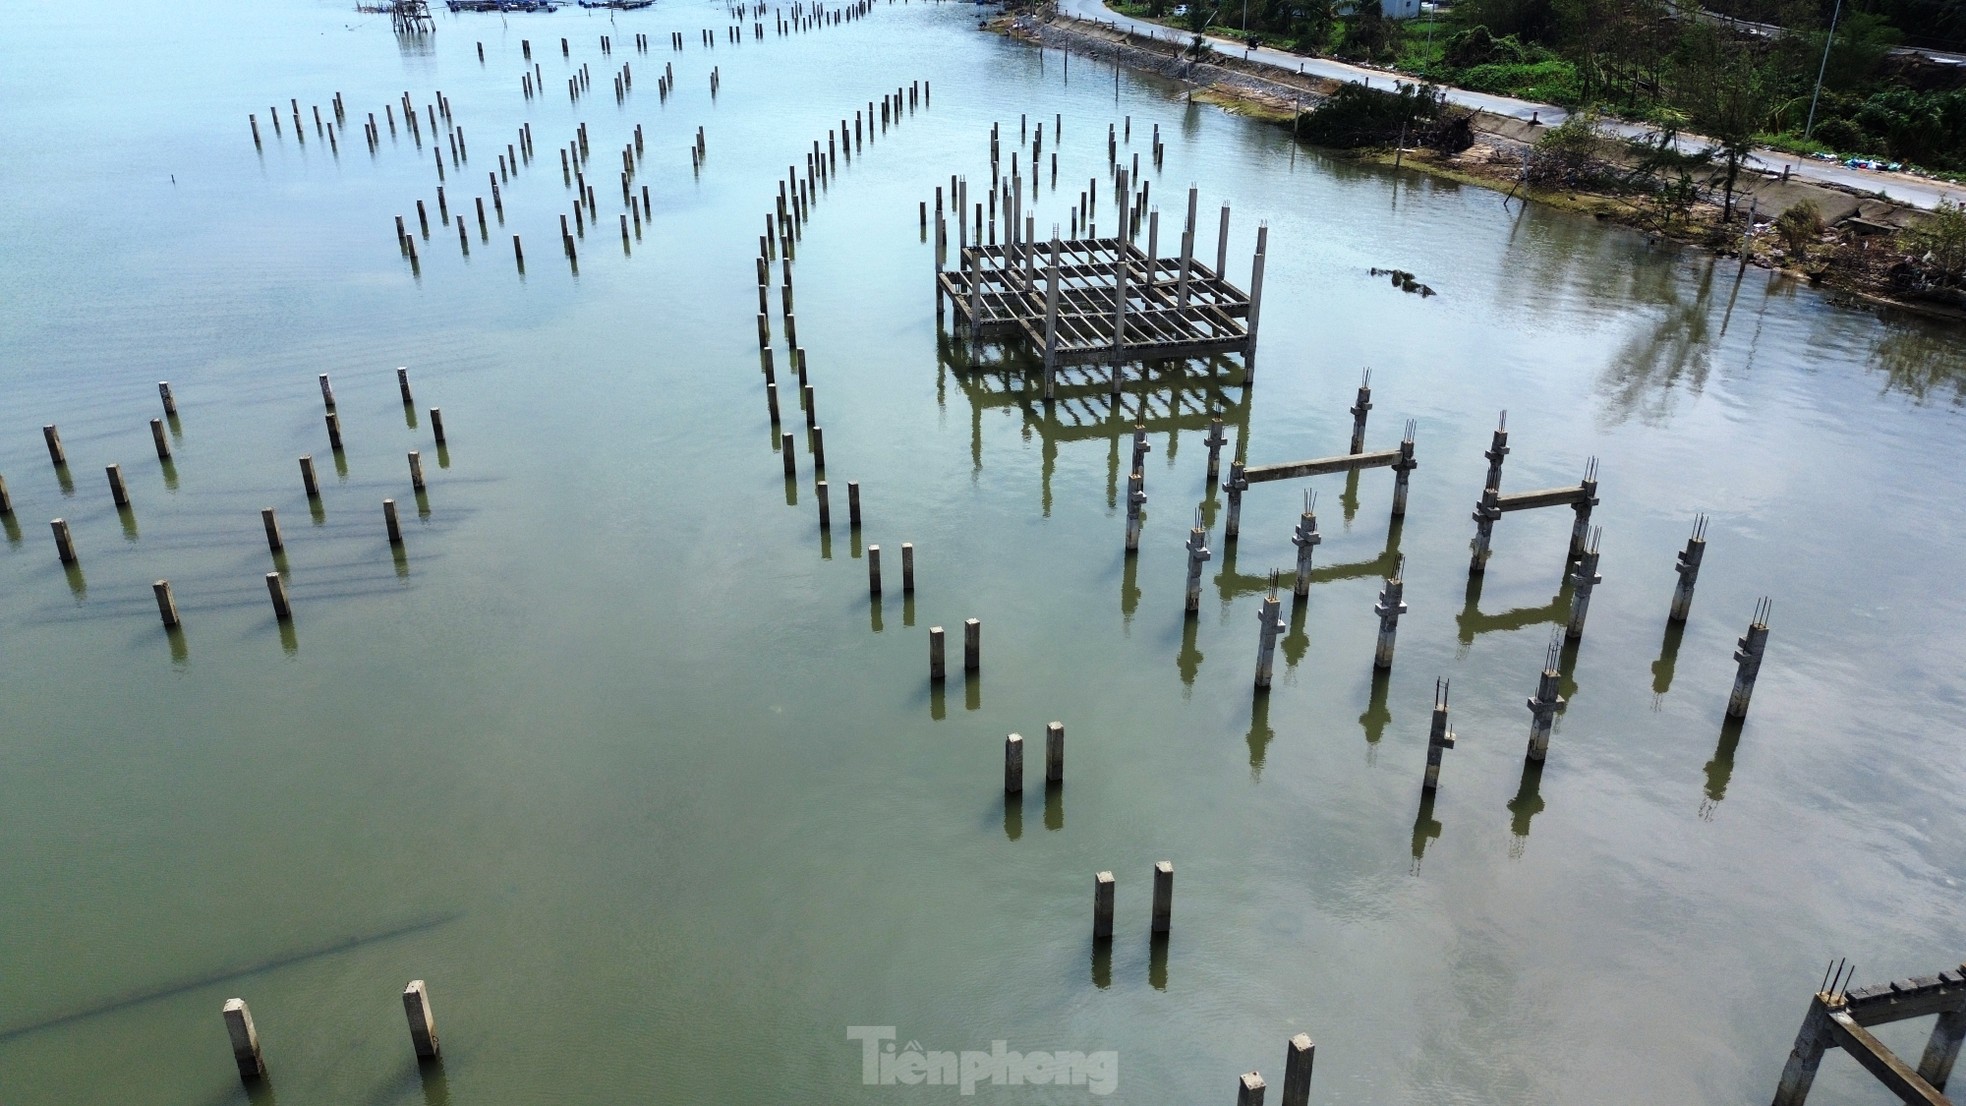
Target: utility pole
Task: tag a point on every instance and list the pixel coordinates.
(1828, 40)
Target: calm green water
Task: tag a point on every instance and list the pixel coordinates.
(617, 756)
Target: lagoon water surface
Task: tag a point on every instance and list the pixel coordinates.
(617, 755)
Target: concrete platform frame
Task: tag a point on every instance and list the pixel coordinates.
(1839, 1018)
(1103, 300)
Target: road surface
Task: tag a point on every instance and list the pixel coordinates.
(1915, 191)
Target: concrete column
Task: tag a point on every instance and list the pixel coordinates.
(1439, 738)
(1748, 655)
(327, 393)
(907, 568)
(874, 571)
(1102, 906)
(64, 541)
(972, 645)
(1136, 499)
(119, 492)
(1051, 316)
(1198, 554)
(853, 504)
(1498, 449)
(1689, 571)
(416, 470)
(975, 293)
(1297, 1058)
(790, 459)
(403, 383)
(56, 453)
(1235, 485)
(1249, 1088)
(389, 520)
(166, 603)
(1054, 753)
(1544, 705)
(334, 431)
(1269, 626)
(1215, 441)
(1486, 513)
(1389, 608)
(1582, 581)
(272, 523)
(1360, 409)
(937, 667)
(1222, 245)
(276, 589)
(308, 482)
(1030, 251)
(1804, 1057)
(157, 437)
(437, 425)
(1013, 765)
(1119, 283)
(1153, 246)
(1255, 301)
(6, 500)
(423, 1025)
(1187, 251)
(1942, 1049)
(1163, 915)
(1403, 471)
(1587, 499)
(245, 1040)
(1306, 538)
(170, 401)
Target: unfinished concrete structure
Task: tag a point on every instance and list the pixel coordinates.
(1093, 300)
(1841, 1019)
(1580, 498)
(1399, 459)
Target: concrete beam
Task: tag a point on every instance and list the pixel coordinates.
(1323, 466)
(1867, 1050)
(1546, 497)
(1911, 998)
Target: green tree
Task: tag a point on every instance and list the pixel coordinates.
(1311, 24)
(1527, 20)
(1369, 35)
(1724, 90)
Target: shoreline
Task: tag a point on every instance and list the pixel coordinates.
(1841, 263)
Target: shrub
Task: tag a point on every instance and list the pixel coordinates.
(1937, 243)
(1799, 226)
(1356, 116)
(1552, 79)
(1576, 153)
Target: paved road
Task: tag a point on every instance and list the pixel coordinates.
(1916, 191)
